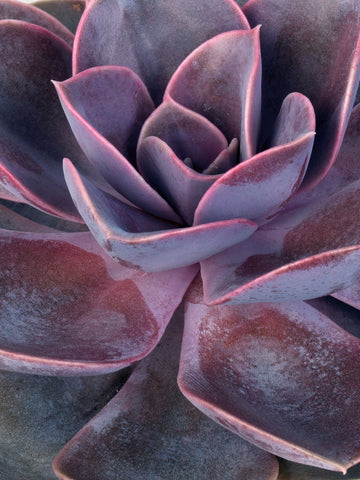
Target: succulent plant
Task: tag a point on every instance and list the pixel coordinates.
(180, 228)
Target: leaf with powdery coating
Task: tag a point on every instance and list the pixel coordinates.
(313, 50)
(28, 149)
(176, 149)
(345, 170)
(69, 309)
(175, 27)
(107, 129)
(283, 376)
(149, 431)
(305, 253)
(221, 80)
(260, 187)
(38, 415)
(142, 241)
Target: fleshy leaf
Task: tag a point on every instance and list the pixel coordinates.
(176, 147)
(14, 10)
(181, 185)
(116, 105)
(221, 80)
(282, 376)
(38, 415)
(68, 12)
(67, 308)
(303, 254)
(142, 241)
(345, 170)
(149, 431)
(29, 150)
(261, 186)
(187, 133)
(314, 51)
(175, 27)
(107, 119)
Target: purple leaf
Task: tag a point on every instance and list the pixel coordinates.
(14, 10)
(187, 133)
(177, 147)
(39, 414)
(108, 34)
(282, 376)
(102, 125)
(142, 241)
(260, 187)
(67, 308)
(182, 186)
(303, 254)
(314, 51)
(116, 105)
(344, 171)
(221, 80)
(149, 431)
(28, 149)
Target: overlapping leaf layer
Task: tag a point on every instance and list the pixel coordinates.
(153, 148)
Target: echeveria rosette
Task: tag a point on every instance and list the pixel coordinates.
(196, 133)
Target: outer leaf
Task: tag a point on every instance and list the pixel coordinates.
(314, 51)
(28, 149)
(145, 242)
(149, 431)
(39, 414)
(281, 376)
(221, 80)
(303, 254)
(101, 124)
(68, 309)
(176, 28)
(260, 187)
(15, 10)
